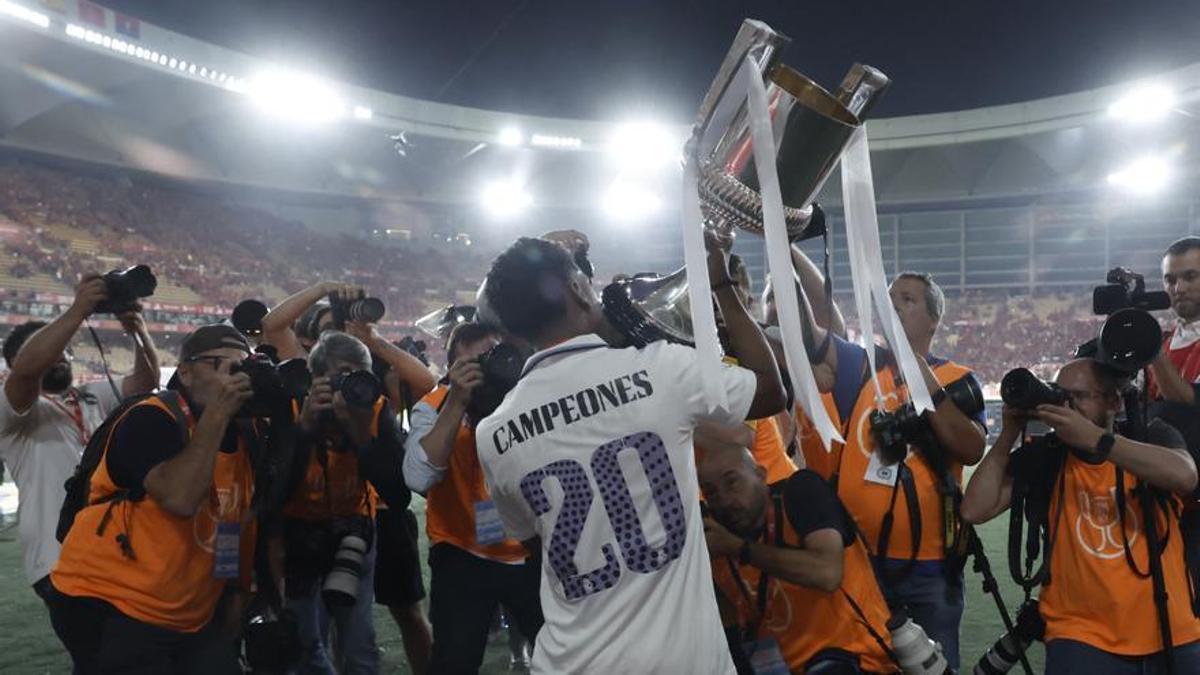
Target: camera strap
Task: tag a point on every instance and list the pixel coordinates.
(1042, 531)
(772, 536)
(904, 477)
(103, 360)
(1148, 497)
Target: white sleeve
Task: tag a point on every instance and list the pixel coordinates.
(9, 418)
(680, 366)
(419, 473)
(518, 519)
(106, 398)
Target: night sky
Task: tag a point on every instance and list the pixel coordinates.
(620, 59)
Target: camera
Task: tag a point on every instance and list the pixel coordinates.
(271, 640)
(914, 650)
(274, 385)
(361, 309)
(360, 388)
(895, 431)
(1126, 289)
(502, 366)
(1128, 341)
(1007, 651)
(1021, 389)
(125, 287)
(341, 583)
(415, 347)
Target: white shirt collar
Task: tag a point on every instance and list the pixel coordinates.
(1185, 334)
(577, 343)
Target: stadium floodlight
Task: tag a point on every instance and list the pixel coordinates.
(561, 142)
(510, 136)
(12, 9)
(645, 146)
(1144, 103)
(627, 201)
(362, 112)
(295, 96)
(505, 198)
(1144, 176)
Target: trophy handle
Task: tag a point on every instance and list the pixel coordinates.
(861, 89)
(754, 38)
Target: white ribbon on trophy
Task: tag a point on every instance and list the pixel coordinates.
(779, 258)
(869, 279)
(704, 320)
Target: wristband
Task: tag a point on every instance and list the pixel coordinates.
(1102, 450)
(744, 552)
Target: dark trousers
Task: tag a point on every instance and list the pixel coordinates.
(465, 591)
(103, 641)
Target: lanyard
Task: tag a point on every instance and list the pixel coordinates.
(774, 524)
(73, 409)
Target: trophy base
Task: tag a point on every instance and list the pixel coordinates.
(730, 205)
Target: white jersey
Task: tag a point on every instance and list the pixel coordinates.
(592, 453)
(41, 447)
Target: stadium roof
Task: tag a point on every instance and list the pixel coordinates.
(84, 82)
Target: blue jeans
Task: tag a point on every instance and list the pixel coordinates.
(923, 594)
(357, 652)
(1068, 657)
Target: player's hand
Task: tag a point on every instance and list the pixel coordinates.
(1071, 426)
(90, 292)
(318, 401)
(132, 321)
(465, 377)
(718, 258)
(721, 542)
(233, 392)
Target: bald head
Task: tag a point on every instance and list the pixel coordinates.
(1094, 390)
(734, 485)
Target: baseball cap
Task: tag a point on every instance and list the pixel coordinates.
(212, 336)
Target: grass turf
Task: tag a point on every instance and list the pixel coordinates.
(28, 644)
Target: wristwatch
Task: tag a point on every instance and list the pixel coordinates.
(1103, 449)
(744, 552)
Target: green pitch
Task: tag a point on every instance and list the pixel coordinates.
(28, 644)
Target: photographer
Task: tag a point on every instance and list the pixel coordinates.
(167, 530)
(906, 510)
(398, 582)
(45, 420)
(1099, 605)
(349, 437)
(294, 325)
(787, 559)
(474, 566)
(1175, 373)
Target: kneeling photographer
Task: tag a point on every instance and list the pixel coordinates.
(157, 528)
(1086, 490)
(350, 450)
(474, 565)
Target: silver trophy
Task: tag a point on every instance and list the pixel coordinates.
(811, 128)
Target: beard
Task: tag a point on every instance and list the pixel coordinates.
(57, 379)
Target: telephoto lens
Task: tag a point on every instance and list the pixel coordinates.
(366, 310)
(1022, 390)
(360, 388)
(341, 584)
(917, 654)
(1007, 651)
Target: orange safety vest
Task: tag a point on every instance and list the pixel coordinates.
(450, 503)
(169, 581)
(868, 502)
(769, 451)
(335, 489)
(1093, 596)
(805, 621)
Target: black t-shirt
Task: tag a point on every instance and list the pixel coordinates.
(811, 504)
(145, 438)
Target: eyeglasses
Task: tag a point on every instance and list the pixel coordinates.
(215, 360)
(1081, 395)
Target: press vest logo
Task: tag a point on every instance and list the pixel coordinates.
(205, 528)
(1097, 525)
